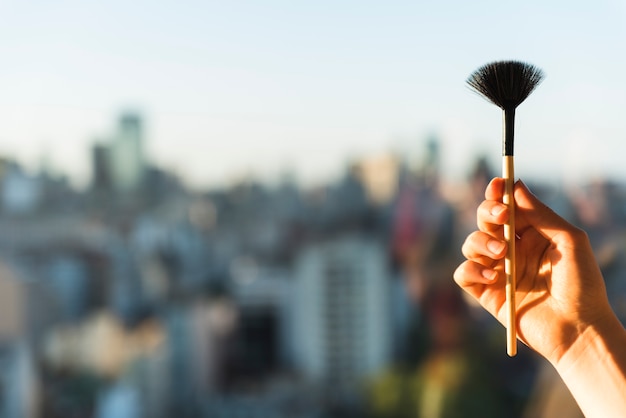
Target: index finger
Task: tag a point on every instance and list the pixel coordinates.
(495, 189)
(492, 213)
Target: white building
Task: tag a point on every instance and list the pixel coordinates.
(341, 317)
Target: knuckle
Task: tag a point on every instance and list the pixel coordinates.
(470, 243)
(577, 236)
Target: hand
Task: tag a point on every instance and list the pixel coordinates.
(560, 289)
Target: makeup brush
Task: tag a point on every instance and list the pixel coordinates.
(507, 84)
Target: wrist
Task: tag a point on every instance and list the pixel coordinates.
(593, 342)
(594, 368)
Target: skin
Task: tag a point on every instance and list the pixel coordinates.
(562, 308)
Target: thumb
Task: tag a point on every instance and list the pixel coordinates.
(532, 212)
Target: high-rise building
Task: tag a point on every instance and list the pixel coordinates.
(341, 318)
(127, 157)
(101, 167)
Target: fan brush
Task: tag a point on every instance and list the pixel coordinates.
(507, 84)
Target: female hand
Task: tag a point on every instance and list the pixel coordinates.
(560, 289)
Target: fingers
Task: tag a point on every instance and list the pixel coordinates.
(483, 248)
(495, 189)
(483, 285)
(491, 215)
(470, 273)
(483, 253)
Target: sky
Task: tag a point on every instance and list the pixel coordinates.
(232, 89)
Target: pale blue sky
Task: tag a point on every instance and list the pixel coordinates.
(232, 88)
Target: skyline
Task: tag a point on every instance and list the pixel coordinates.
(234, 90)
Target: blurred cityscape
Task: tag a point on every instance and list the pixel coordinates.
(137, 297)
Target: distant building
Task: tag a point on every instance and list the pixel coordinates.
(126, 154)
(263, 297)
(13, 306)
(380, 175)
(20, 192)
(342, 323)
(20, 382)
(68, 277)
(101, 168)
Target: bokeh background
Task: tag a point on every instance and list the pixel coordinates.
(254, 208)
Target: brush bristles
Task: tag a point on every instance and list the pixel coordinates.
(505, 83)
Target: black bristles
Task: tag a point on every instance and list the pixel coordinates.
(505, 83)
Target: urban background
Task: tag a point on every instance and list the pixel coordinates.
(241, 209)
(137, 297)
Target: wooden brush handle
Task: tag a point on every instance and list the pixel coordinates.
(509, 261)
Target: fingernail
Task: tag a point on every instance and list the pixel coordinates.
(495, 246)
(498, 209)
(489, 274)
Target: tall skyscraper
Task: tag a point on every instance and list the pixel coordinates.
(127, 157)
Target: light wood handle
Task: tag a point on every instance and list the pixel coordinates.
(508, 173)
